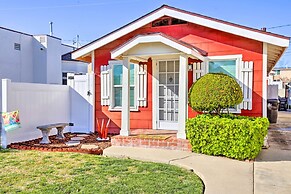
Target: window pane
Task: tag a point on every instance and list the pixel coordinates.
(177, 91)
(131, 74)
(176, 78)
(132, 97)
(176, 116)
(162, 90)
(162, 115)
(170, 116)
(170, 78)
(163, 66)
(227, 67)
(171, 91)
(117, 74)
(118, 96)
(163, 78)
(176, 105)
(177, 66)
(170, 65)
(162, 103)
(170, 104)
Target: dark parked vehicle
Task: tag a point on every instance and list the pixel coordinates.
(283, 104)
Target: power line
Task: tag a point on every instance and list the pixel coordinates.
(69, 6)
(281, 26)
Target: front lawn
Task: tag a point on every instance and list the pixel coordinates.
(54, 172)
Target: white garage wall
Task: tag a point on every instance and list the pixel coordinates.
(54, 60)
(38, 104)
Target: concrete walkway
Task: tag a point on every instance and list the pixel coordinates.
(272, 169)
(220, 175)
(270, 173)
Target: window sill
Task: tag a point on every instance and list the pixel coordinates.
(233, 111)
(117, 109)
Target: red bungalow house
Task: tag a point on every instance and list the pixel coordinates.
(144, 69)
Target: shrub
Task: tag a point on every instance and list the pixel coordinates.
(214, 92)
(237, 137)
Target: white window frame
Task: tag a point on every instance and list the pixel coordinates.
(238, 59)
(112, 106)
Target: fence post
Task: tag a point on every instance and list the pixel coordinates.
(5, 99)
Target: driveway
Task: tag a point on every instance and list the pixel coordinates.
(272, 169)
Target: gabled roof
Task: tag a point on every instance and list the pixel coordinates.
(162, 38)
(202, 20)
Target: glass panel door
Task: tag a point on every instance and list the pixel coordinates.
(168, 94)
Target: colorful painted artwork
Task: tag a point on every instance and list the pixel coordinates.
(11, 120)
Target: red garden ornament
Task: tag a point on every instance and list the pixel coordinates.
(102, 130)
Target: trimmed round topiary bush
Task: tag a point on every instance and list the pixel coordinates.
(214, 92)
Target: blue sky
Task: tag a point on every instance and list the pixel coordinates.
(91, 19)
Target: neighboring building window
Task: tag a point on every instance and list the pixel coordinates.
(277, 72)
(65, 79)
(17, 46)
(117, 86)
(42, 39)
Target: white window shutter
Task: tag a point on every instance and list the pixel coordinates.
(142, 85)
(246, 82)
(105, 84)
(198, 70)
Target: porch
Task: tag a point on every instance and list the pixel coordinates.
(167, 82)
(150, 138)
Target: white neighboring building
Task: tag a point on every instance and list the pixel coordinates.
(34, 58)
(70, 65)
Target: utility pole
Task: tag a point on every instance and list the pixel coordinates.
(77, 40)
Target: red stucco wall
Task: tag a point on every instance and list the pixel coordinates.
(215, 42)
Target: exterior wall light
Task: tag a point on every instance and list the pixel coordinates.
(190, 67)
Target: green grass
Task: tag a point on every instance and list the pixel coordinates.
(54, 172)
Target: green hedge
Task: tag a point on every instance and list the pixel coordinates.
(232, 136)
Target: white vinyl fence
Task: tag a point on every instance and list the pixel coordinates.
(38, 104)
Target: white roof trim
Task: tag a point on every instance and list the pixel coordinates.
(228, 28)
(183, 16)
(155, 38)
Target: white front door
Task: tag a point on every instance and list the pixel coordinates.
(82, 99)
(168, 94)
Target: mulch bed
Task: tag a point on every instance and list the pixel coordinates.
(58, 145)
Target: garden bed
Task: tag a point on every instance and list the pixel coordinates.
(59, 145)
